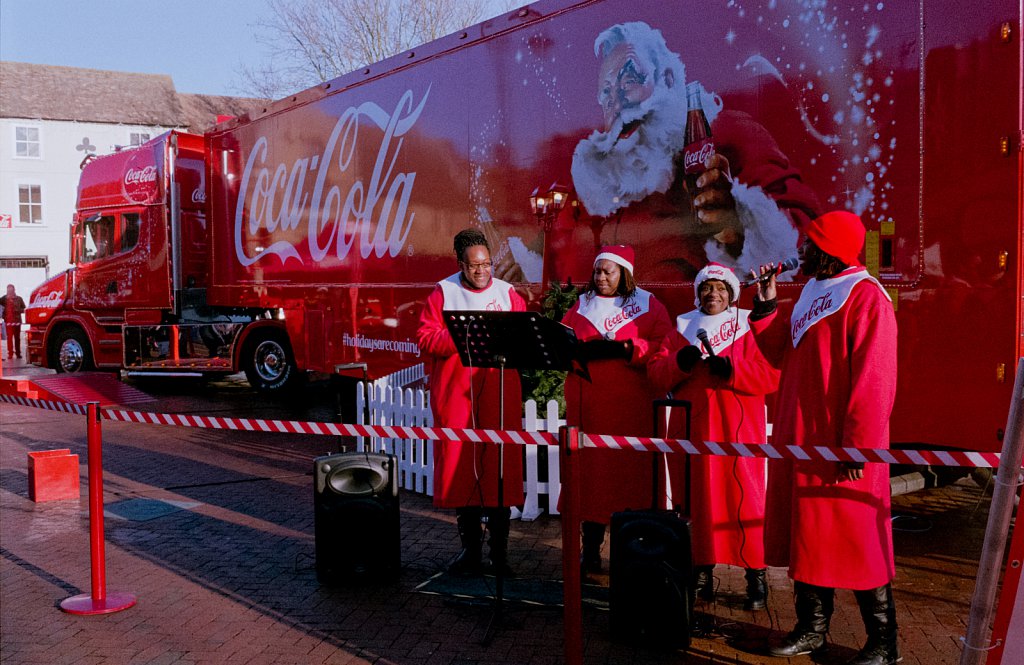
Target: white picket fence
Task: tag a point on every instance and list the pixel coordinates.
(389, 402)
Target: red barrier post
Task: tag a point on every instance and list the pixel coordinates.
(572, 592)
(97, 602)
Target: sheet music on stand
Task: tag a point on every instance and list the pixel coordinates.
(513, 340)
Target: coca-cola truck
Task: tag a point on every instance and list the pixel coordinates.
(307, 236)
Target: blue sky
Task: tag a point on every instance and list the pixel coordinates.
(200, 43)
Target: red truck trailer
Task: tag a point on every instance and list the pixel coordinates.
(307, 236)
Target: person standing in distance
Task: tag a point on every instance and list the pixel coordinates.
(13, 307)
(466, 473)
(830, 522)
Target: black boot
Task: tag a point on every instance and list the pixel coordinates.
(498, 525)
(814, 606)
(757, 588)
(593, 537)
(879, 614)
(471, 533)
(704, 582)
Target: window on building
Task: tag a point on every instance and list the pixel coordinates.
(137, 138)
(12, 262)
(26, 142)
(30, 204)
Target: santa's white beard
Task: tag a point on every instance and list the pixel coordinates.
(610, 173)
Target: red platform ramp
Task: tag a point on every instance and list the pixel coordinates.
(19, 387)
(80, 388)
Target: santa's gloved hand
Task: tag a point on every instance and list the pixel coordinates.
(720, 367)
(688, 357)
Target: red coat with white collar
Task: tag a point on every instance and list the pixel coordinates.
(466, 474)
(837, 389)
(617, 400)
(727, 494)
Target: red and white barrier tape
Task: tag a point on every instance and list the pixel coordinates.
(66, 407)
(607, 441)
(770, 451)
(335, 429)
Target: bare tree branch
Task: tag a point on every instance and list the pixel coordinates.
(312, 41)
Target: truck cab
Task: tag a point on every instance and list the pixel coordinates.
(135, 296)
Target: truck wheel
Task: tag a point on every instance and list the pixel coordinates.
(70, 352)
(268, 361)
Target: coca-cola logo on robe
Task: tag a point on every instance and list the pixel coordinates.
(627, 313)
(725, 333)
(818, 306)
(343, 211)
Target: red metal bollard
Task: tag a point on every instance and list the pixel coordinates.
(97, 602)
(572, 599)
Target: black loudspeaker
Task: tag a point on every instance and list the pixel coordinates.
(650, 578)
(355, 510)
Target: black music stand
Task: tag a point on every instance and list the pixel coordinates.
(509, 340)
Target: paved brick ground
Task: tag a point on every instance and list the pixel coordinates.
(227, 575)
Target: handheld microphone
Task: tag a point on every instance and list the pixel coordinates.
(702, 335)
(785, 266)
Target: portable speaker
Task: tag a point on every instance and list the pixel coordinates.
(355, 509)
(650, 577)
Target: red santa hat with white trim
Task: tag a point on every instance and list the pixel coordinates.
(620, 255)
(722, 274)
(838, 233)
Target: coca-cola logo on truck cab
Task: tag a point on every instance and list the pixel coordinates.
(140, 176)
(50, 300)
(139, 183)
(374, 214)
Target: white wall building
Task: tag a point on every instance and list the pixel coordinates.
(50, 119)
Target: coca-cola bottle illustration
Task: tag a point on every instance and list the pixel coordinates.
(697, 142)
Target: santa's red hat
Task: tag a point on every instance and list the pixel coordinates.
(838, 233)
(620, 255)
(719, 272)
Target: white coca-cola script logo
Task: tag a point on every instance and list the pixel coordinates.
(375, 213)
(625, 314)
(694, 155)
(139, 183)
(198, 195)
(140, 176)
(51, 300)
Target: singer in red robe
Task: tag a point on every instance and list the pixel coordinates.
(830, 521)
(726, 387)
(619, 325)
(466, 473)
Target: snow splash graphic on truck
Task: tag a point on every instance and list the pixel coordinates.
(375, 213)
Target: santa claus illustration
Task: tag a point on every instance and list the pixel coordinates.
(745, 209)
